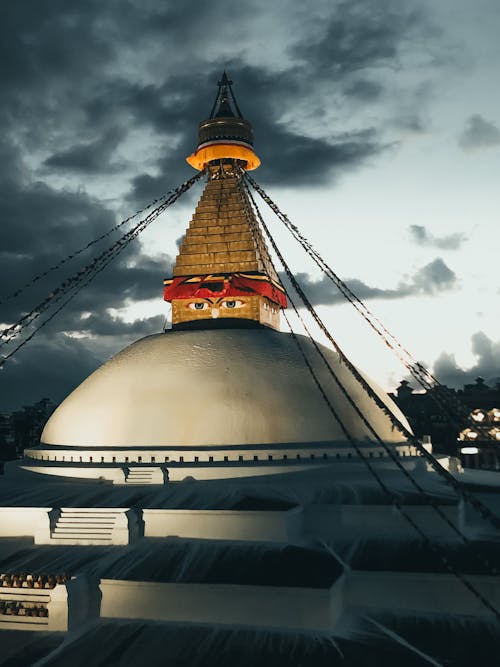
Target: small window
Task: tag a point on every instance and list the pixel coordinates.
(226, 459)
(126, 459)
(167, 458)
(139, 459)
(90, 459)
(240, 458)
(102, 459)
(196, 459)
(153, 459)
(181, 459)
(270, 458)
(285, 457)
(298, 457)
(211, 458)
(325, 456)
(255, 458)
(114, 459)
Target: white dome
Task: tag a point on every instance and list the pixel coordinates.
(214, 387)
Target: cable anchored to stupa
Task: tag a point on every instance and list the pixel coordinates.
(76, 282)
(461, 490)
(449, 566)
(421, 374)
(387, 448)
(79, 251)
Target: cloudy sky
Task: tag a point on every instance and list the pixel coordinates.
(378, 126)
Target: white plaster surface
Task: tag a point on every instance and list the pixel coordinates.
(24, 521)
(269, 606)
(205, 388)
(224, 524)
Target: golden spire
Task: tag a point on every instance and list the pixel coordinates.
(223, 275)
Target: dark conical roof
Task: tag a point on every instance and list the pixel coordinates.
(222, 107)
(225, 122)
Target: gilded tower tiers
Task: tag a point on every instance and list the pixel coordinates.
(223, 275)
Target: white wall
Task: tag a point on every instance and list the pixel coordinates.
(224, 524)
(23, 521)
(304, 608)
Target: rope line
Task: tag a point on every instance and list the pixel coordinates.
(480, 507)
(387, 448)
(75, 253)
(68, 284)
(80, 280)
(392, 497)
(423, 376)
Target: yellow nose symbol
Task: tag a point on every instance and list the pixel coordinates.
(215, 313)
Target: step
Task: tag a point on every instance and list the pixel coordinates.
(82, 539)
(89, 517)
(91, 514)
(83, 531)
(83, 520)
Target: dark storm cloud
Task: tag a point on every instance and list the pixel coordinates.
(431, 279)
(70, 78)
(94, 156)
(49, 367)
(42, 225)
(360, 35)
(423, 237)
(487, 366)
(117, 285)
(479, 133)
(364, 90)
(107, 325)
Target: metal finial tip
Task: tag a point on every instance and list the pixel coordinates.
(225, 80)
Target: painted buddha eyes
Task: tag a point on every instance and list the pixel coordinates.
(205, 305)
(234, 303)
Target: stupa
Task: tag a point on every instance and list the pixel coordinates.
(223, 393)
(195, 500)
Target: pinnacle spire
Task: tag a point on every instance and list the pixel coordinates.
(224, 97)
(225, 134)
(224, 274)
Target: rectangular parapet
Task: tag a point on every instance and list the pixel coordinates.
(264, 606)
(271, 526)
